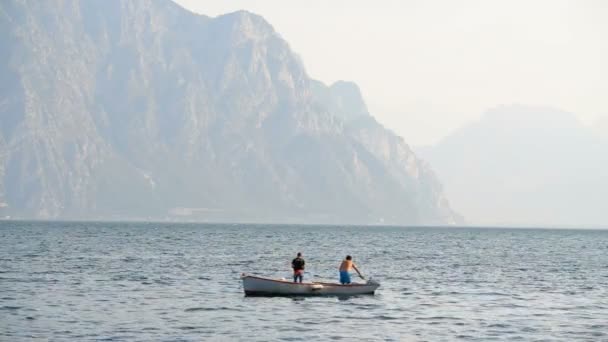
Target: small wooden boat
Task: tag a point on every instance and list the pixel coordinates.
(258, 286)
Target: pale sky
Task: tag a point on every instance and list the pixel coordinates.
(427, 67)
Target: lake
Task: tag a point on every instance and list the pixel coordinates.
(181, 282)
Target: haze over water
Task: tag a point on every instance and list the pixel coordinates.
(180, 282)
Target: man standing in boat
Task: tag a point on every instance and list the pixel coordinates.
(298, 268)
(345, 268)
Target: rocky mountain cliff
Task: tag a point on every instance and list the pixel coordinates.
(525, 165)
(143, 110)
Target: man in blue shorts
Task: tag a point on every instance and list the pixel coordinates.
(345, 268)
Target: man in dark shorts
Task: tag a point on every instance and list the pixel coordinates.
(298, 268)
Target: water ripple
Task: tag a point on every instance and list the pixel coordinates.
(132, 281)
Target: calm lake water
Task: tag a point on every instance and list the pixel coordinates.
(179, 282)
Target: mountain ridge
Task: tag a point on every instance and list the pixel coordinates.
(524, 165)
(142, 109)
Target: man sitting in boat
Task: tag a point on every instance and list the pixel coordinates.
(298, 268)
(345, 267)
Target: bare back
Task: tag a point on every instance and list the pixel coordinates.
(346, 265)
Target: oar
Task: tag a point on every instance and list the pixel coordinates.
(360, 275)
(358, 272)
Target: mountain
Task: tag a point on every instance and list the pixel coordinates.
(524, 165)
(144, 110)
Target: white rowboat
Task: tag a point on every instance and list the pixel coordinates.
(258, 286)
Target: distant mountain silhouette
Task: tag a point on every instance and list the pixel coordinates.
(143, 110)
(524, 165)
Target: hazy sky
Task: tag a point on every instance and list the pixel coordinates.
(427, 67)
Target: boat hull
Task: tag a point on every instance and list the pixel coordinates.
(258, 286)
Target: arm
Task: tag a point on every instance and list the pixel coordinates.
(359, 273)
